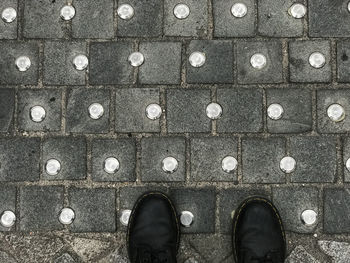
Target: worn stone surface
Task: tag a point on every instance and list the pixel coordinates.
(301, 255)
(8, 30)
(343, 62)
(7, 108)
(339, 251)
(8, 203)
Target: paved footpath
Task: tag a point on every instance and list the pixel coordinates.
(210, 101)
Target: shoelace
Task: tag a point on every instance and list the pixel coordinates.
(147, 255)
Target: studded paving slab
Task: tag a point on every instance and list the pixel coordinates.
(209, 101)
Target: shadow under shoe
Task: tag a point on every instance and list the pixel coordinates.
(258, 234)
(153, 231)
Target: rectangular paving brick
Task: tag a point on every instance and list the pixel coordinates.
(291, 202)
(131, 107)
(226, 25)
(261, 160)
(94, 209)
(7, 108)
(93, 19)
(297, 110)
(336, 210)
(346, 156)
(270, 73)
(8, 30)
(70, 152)
(153, 152)
(58, 63)
(40, 207)
(316, 159)
(201, 203)
(162, 63)
(207, 155)
(8, 203)
(49, 99)
(241, 109)
(343, 61)
(109, 63)
(218, 67)
(124, 150)
(146, 22)
(19, 159)
(186, 110)
(9, 52)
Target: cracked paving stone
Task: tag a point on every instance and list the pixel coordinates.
(8, 203)
(343, 61)
(7, 108)
(300, 255)
(8, 30)
(339, 251)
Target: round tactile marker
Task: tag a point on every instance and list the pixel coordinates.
(67, 12)
(37, 113)
(96, 111)
(124, 218)
(349, 6)
(169, 164)
(67, 216)
(214, 111)
(80, 62)
(8, 218)
(308, 217)
(317, 60)
(275, 111)
(287, 164)
(9, 14)
(23, 63)
(336, 112)
(153, 111)
(297, 10)
(111, 165)
(197, 59)
(229, 164)
(258, 61)
(125, 11)
(186, 218)
(53, 167)
(347, 164)
(136, 59)
(181, 11)
(239, 10)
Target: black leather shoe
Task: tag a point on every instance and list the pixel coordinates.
(153, 231)
(258, 234)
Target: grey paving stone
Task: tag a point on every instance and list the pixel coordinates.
(271, 73)
(201, 203)
(230, 199)
(242, 109)
(19, 159)
(218, 67)
(275, 20)
(316, 159)
(291, 202)
(300, 255)
(64, 258)
(154, 150)
(58, 63)
(196, 24)
(339, 251)
(186, 110)
(40, 207)
(325, 98)
(336, 210)
(206, 157)
(300, 69)
(49, 99)
(42, 19)
(9, 52)
(109, 63)
(346, 156)
(94, 209)
(6, 257)
(131, 107)
(8, 30)
(78, 102)
(8, 202)
(297, 106)
(162, 63)
(93, 19)
(70, 152)
(122, 149)
(146, 22)
(261, 160)
(226, 25)
(7, 108)
(343, 61)
(328, 18)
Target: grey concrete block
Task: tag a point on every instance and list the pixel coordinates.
(343, 61)
(346, 156)
(8, 202)
(7, 108)
(8, 30)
